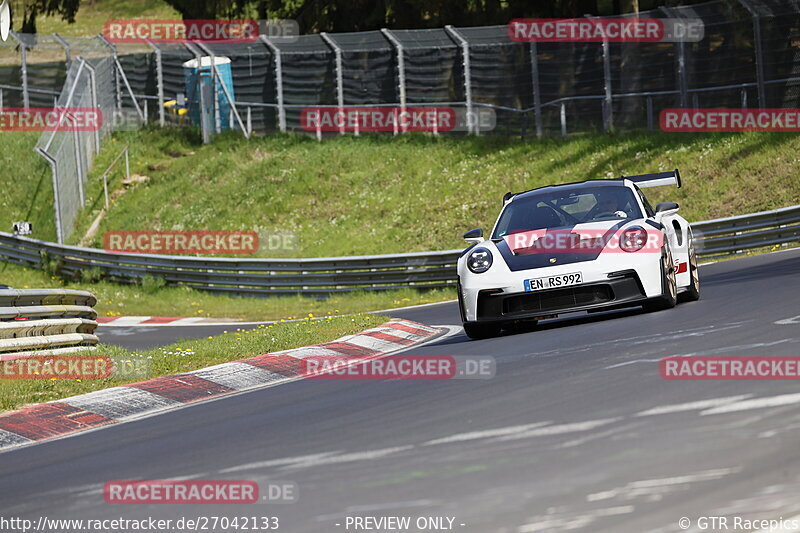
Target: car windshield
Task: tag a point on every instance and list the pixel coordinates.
(567, 207)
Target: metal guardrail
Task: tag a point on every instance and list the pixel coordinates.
(55, 320)
(323, 276)
(745, 232)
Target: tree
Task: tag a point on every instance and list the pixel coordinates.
(31, 9)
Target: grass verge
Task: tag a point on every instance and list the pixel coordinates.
(188, 355)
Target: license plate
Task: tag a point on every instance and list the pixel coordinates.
(553, 282)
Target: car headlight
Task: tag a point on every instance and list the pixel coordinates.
(479, 260)
(633, 239)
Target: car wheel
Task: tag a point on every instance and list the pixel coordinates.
(692, 294)
(669, 287)
(481, 331)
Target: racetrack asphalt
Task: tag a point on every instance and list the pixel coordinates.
(576, 431)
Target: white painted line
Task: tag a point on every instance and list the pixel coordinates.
(573, 521)
(756, 403)
(785, 321)
(693, 406)
(484, 434)
(349, 457)
(559, 429)
(664, 485)
(277, 462)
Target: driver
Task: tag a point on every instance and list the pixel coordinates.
(608, 203)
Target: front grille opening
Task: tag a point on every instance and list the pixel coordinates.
(557, 299)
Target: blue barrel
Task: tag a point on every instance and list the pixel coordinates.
(198, 78)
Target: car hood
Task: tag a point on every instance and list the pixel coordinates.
(517, 260)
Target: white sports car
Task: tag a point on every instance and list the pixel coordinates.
(588, 246)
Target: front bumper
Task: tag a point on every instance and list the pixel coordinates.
(623, 290)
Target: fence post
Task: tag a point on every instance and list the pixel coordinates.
(683, 86)
(79, 164)
(401, 70)
(93, 82)
(758, 51)
(537, 98)
(118, 90)
(23, 51)
(215, 102)
(649, 102)
(68, 102)
(609, 114)
(205, 134)
(160, 83)
(56, 198)
(339, 76)
(233, 111)
(276, 52)
(455, 34)
(563, 120)
(67, 48)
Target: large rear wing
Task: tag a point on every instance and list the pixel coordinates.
(658, 179)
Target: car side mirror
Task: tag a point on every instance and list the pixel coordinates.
(474, 235)
(666, 206)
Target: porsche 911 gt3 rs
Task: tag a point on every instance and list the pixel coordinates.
(588, 246)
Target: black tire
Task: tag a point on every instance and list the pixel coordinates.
(669, 287)
(692, 294)
(481, 331)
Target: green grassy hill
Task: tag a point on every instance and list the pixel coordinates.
(366, 195)
(378, 194)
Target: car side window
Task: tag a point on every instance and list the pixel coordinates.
(647, 207)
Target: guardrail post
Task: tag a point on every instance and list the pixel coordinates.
(537, 98)
(276, 53)
(758, 51)
(337, 52)
(401, 71)
(471, 122)
(23, 51)
(160, 84)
